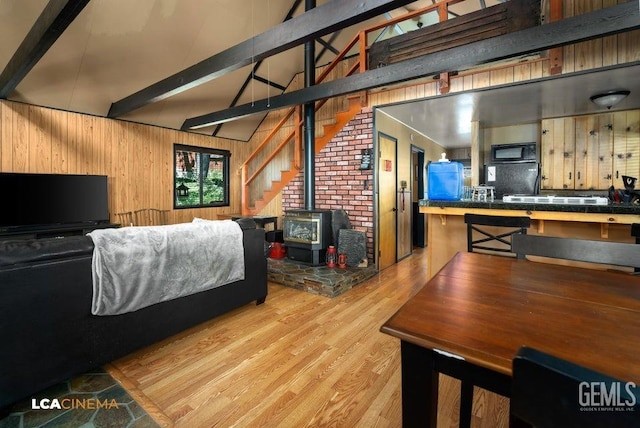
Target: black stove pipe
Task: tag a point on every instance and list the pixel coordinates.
(309, 121)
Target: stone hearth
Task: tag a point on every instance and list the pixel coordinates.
(329, 282)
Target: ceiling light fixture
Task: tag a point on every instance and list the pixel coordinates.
(610, 98)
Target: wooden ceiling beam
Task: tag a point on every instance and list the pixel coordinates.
(52, 22)
(320, 21)
(604, 22)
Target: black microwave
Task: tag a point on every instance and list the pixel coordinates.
(518, 152)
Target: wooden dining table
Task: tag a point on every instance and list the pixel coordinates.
(471, 318)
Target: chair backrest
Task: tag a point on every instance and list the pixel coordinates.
(548, 391)
(584, 250)
(151, 217)
(499, 241)
(125, 218)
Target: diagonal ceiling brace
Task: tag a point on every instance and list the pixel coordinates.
(52, 22)
(327, 46)
(269, 82)
(604, 22)
(325, 19)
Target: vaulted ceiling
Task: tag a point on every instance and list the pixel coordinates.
(115, 48)
(110, 50)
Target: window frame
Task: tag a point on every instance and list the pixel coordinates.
(200, 151)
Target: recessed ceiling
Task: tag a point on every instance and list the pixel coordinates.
(447, 119)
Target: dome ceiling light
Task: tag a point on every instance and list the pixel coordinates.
(610, 98)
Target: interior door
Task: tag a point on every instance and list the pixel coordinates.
(387, 181)
(418, 222)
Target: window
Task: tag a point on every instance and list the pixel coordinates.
(201, 177)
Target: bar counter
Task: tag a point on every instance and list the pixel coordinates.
(446, 230)
(531, 207)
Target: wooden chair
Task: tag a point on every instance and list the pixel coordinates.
(549, 392)
(584, 250)
(486, 226)
(125, 218)
(151, 217)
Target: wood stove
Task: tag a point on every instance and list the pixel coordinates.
(307, 235)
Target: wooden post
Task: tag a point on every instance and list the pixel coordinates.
(555, 54)
(362, 39)
(245, 190)
(476, 152)
(297, 152)
(443, 81)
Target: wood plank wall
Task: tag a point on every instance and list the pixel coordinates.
(137, 158)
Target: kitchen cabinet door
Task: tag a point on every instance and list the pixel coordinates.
(604, 139)
(568, 154)
(593, 152)
(554, 154)
(584, 152)
(590, 152)
(626, 145)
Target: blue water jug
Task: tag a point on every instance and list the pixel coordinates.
(445, 180)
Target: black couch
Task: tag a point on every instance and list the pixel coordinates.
(48, 333)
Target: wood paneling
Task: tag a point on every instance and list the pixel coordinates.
(626, 145)
(592, 152)
(137, 158)
(602, 51)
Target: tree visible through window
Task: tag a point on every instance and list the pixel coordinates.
(201, 177)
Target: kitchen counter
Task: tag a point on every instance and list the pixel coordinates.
(447, 232)
(499, 205)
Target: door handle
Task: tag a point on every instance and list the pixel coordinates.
(394, 209)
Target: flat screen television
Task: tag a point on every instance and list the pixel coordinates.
(40, 200)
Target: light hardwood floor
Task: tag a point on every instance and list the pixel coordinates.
(298, 360)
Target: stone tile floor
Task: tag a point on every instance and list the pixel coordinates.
(118, 409)
(329, 282)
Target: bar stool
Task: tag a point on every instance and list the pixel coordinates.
(486, 226)
(500, 242)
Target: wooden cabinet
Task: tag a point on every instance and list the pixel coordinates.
(558, 154)
(626, 145)
(590, 152)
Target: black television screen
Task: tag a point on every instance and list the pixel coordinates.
(49, 199)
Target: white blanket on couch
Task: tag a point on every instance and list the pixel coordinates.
(135, 267)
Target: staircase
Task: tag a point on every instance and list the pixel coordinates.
(250, 184)
(329, 131)
(263, 192)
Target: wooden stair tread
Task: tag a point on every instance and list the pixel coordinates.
(343, 117)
